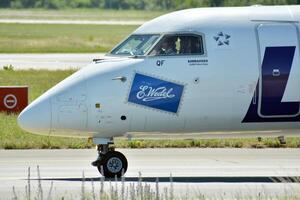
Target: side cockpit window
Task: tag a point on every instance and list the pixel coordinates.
(179, 44)
(135, 45)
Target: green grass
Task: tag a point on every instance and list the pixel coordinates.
(58, 38)
(209, 143)
(38, 81)
(79, 14)
(12, 137)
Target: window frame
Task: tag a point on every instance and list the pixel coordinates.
(133, 34)
(193, 33)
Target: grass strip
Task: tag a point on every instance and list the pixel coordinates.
(80, 14)
(209, 143)
(60, 38)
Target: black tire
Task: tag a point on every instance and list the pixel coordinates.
(113, 164)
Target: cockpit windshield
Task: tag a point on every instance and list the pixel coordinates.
(135, 45)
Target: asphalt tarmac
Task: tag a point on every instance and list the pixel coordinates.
(214, 173)
(48, 61)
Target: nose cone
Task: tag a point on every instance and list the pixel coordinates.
(36, 118)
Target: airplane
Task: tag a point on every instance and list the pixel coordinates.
(194, 70)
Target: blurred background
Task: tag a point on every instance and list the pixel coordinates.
(134, 4)
(85, 26)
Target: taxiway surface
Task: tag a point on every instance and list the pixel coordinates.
(212, 172)
(51, 61)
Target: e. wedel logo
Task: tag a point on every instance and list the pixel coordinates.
(155, 93)
(147, 93)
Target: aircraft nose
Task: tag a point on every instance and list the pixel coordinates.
(36, 118)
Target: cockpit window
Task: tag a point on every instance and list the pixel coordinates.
(135, 45)
(179, 44)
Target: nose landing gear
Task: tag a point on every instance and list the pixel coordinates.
(110, 163)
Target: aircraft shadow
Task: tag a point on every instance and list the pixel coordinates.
(258, 179)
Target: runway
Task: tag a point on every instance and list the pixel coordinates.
(212, 172)
(52, 61)
(79, 22)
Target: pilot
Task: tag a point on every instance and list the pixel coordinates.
(185, 45)
(168, 47)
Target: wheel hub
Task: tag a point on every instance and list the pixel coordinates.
(114, 165)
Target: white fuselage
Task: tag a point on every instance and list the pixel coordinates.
(230, 87)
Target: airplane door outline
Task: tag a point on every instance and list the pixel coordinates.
(274, 72)
(274, 81)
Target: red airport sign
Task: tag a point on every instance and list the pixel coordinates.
(13, 98)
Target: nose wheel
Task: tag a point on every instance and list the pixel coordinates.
(110, 163)
(113, 164)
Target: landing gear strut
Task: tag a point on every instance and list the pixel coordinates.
(110, 163)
